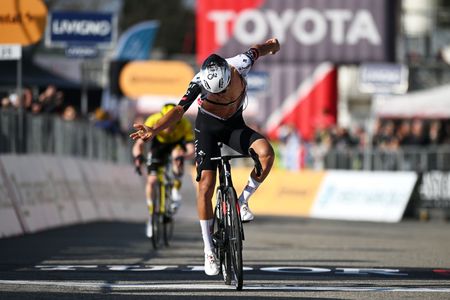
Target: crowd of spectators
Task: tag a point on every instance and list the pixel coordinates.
(388, 135)
(51, 101)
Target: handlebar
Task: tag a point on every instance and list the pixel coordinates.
(251, 153)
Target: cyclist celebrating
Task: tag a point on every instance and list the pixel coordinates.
(222, 88)
(176, 140)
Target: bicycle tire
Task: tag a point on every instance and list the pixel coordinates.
(157, 219)
(220, 238)
(168, 223)
(235, 239)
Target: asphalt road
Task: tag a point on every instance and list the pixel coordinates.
(284, 258)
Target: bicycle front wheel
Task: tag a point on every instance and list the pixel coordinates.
(157, 219)
(168, 223)
(235, 238)
(220, 235)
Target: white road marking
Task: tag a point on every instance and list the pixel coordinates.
(254, 287)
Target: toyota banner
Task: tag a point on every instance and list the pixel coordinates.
(315, 37)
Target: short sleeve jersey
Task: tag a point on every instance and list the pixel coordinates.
(182, 131)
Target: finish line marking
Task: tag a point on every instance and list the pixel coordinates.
(191, 287)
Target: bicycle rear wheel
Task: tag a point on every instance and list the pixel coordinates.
(235, 239)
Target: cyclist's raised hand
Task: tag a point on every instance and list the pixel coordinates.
(142, 132)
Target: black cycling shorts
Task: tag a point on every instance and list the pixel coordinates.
(232, 132)
(159, 154)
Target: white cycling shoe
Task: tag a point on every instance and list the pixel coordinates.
(211, 265)
(176, 200)
(246, 214)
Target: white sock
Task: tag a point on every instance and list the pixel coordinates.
(249, 189)
(206, 235)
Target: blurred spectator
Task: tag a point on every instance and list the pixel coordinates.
(322, 144)
(55, 104)
(69, 113)
(27, 98)
(435, 133)
(404, 133)
(446, 133)
(341, 138)
(418, 137)
(6, 103)
(103, 120)
(290, 147)
(387, 135)
(36, 107)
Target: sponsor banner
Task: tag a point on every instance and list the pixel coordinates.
(283, 193)
(310, 31)
(434, 190)
(87, 28)
(22, 22)
(136, 42)
(10, 52)
(155, 78)
(80, 51)
(383, 78)
(364, 196)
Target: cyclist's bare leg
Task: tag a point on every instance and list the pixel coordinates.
(177, 170)
(266, 156)
(205, 212)
(205, 192)
(149, 193)
(178, 165)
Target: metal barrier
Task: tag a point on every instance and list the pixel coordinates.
(44, 133)
(419, 159)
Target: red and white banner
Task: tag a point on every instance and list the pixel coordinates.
(311, 106)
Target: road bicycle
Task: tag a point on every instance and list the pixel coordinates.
(227, 229)
(162, 212)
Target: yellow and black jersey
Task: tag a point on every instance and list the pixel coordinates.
(182, 131)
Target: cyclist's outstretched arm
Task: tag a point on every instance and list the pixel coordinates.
(147, 133)
(271, 46)
(174, 115)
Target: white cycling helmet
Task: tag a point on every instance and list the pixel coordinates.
(215, 74)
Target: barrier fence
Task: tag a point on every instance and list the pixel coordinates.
(418, 159)
(49, 134)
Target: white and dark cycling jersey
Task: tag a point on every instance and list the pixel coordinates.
(211, 129)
